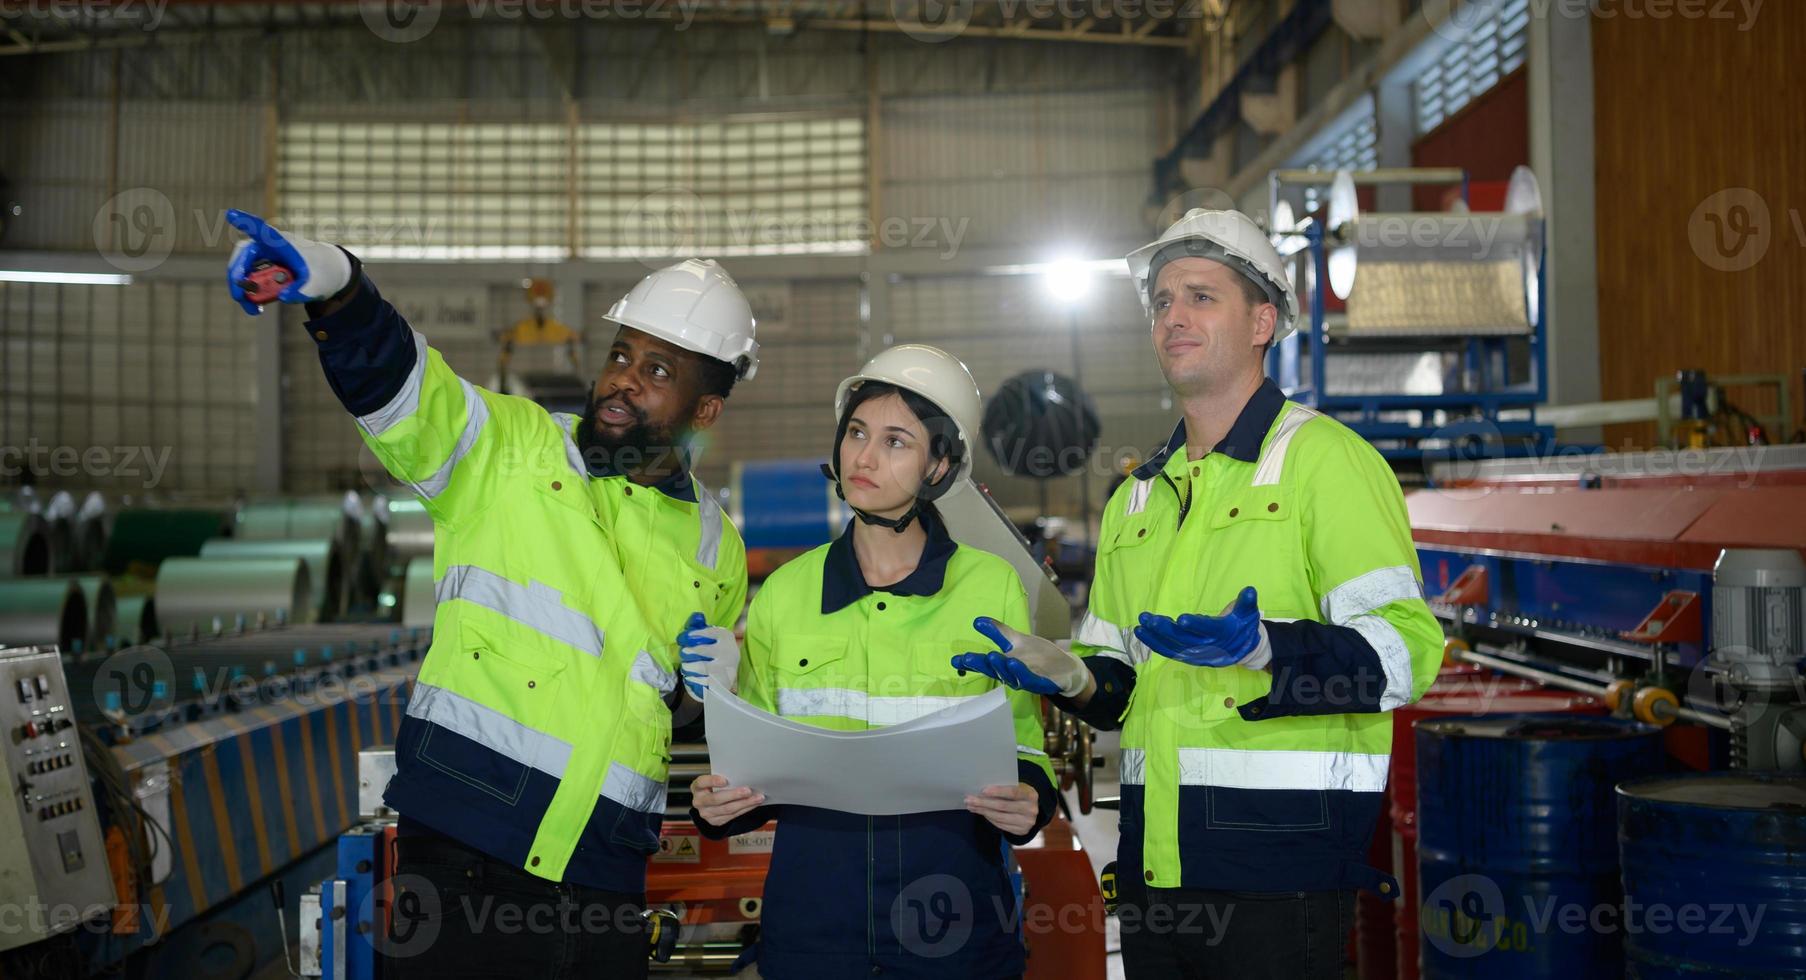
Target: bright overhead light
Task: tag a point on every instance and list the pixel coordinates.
(65, 278)
(1068, 280)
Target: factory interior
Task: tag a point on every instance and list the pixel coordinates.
(1545, 258)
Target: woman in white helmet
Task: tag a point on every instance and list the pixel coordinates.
(859, 634)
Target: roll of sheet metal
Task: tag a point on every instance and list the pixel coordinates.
(417, 599)
(92, 524)
(1438, 273)
(278, 520)
(324, 558)
(143, 536)
(24, 547)
(135, 617)
(37, 611)
(59, 522)
(199, 593)
(102, 609)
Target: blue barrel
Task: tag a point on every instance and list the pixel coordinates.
(1516, 847)
(784, 503)
(1715, 872)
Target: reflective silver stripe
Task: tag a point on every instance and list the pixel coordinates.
(1365, 593)
(572, 454)
(476, 412)
(633, 790)
(647, 671)
(1138, 652)
(1395, 657)
(537, 606)
(1095, 630)
(1026, 750)
(1138, 496)
(708, 551)
(1352, 604)
(1282, 769)
(845, 703)
(489, 728)
(1273, 458)
(406, 401)
(1134, 767)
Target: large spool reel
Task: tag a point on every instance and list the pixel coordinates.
(1437, 273)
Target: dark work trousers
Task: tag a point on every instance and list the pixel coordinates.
(1193, 934)
(459, 913)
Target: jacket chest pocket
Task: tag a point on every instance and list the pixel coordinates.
(1257, 526)
(932, 672)
(809, 668)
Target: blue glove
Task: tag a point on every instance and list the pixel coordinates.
(720, 666)
(1237, 637)
(320, 270)
(1039, 667)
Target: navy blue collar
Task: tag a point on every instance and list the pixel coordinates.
(1243, 439)
(843, 583)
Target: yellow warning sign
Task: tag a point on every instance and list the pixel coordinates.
(679, 849)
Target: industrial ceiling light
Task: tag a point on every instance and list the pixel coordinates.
(65, 278)
(1068, 280)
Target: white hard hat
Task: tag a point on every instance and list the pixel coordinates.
(1229, 237)
(695, 305)
(935, 375)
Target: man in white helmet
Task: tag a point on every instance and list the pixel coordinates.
(568, 553)
(1255, 613)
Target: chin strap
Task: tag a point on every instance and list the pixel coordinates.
(899, 525)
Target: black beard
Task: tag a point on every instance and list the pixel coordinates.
(632, 449)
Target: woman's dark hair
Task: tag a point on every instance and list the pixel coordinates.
(943, 434)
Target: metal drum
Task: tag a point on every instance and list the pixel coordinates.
(1517, 858)
(1715, 869)
(784, 503)
(1401, 789)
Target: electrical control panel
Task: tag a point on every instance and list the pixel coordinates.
(53, 860)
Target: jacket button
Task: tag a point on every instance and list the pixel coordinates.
(557, 486)
(475, 654)
(534, 862)
(696, 584)
(880, 607)
(1142, 533)
(803, 662)
(319, 335)
(532, 683)
(629, 491)
(1194, 471)
(1145, 875)
(1228, 702)
(1234, 511)
(1272, 508)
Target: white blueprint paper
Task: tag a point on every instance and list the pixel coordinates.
(930, 763)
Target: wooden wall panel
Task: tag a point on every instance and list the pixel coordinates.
(1686, 108)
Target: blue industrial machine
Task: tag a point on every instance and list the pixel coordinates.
(1439, 349)
(178, 782)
